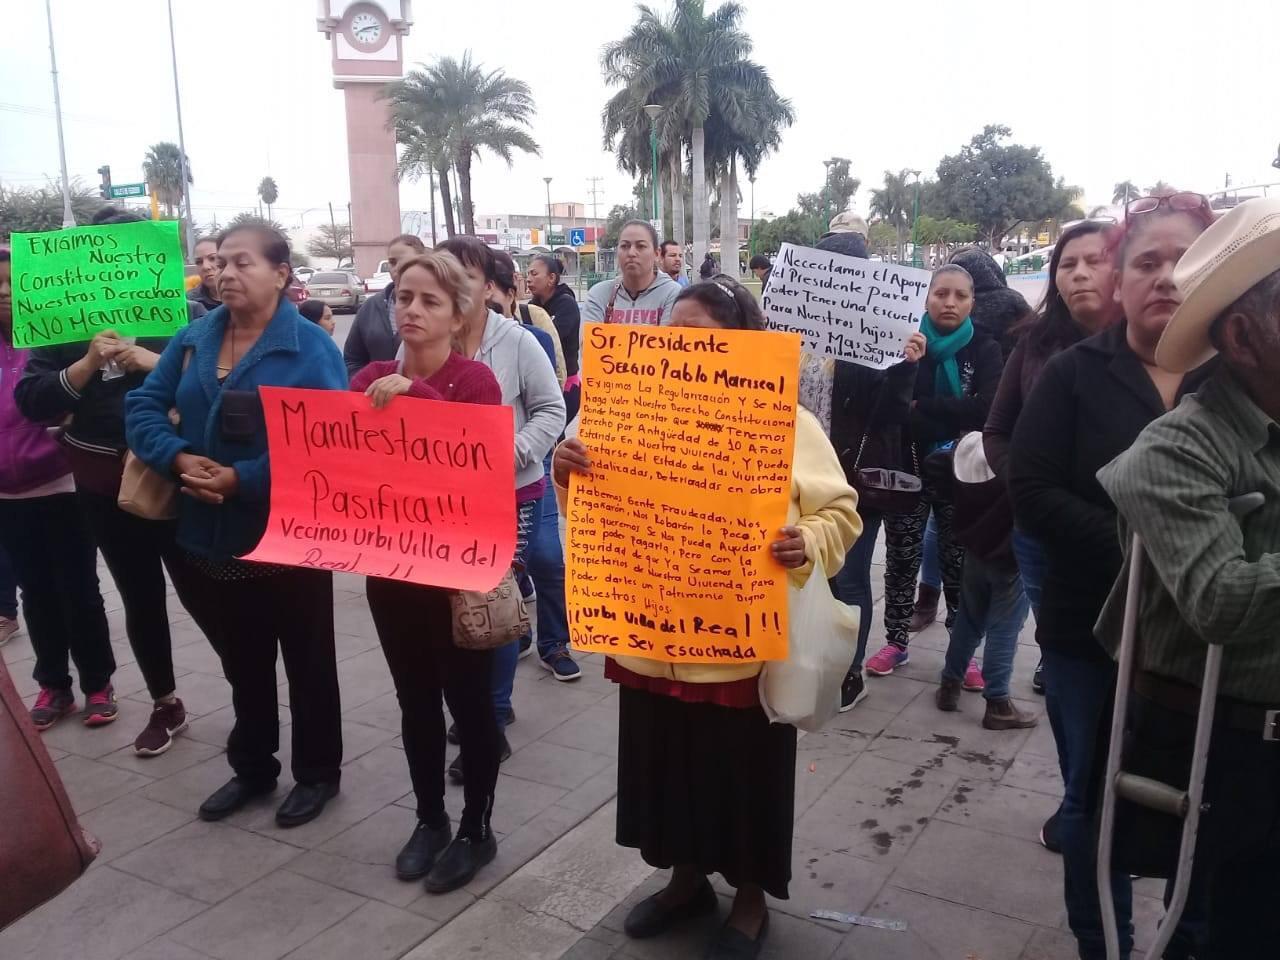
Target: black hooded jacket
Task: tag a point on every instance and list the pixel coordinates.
(996, 308)
(562, 305)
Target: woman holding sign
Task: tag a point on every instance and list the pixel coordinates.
(415, 622)
(955, 384)
(210, 373)
(705, 783)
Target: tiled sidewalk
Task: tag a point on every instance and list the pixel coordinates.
(902, 812)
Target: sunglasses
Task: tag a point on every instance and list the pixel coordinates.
(1181, 202)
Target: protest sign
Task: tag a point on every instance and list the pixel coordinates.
(690, 433)
(69, 285)
(845, 307)
(422, 490)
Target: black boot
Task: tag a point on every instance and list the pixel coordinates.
(460, 862)
(232, 796)
(418, 856)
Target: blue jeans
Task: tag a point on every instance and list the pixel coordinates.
(505, 658)
(930, 570)
(1032, 562)
(852, 585)
(993, 602)
(546, 568)
(1078, 697)
(8, 588)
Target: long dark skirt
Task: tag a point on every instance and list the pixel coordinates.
(707, 785)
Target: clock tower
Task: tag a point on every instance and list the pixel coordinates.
(368, 53)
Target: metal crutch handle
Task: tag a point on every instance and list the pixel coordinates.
(1144, 791)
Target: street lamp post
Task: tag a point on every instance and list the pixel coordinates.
(751, 229)
(826, 195)
(182, 145)
(547, 181)
(651, 111)
(915, 225)
(68, 218)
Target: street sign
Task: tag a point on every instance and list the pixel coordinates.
(128, 190)
(577, 236)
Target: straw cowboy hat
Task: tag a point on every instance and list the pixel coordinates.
(1236, 252)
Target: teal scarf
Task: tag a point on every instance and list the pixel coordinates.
(943, 348)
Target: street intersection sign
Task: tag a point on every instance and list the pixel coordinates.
(128, 190)
(577, 236)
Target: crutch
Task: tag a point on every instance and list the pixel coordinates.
(1144, 791)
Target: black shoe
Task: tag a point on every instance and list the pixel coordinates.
(232, 796)
(304, 803)
(852, 692)
(732, 944)
(418, 856)
(1037, 679)
(460, 861)
(455, 768)
(650, 916)
(1051, 834)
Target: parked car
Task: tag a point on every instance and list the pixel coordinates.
(380, 280)
(297, 291)
(304, 273)
(340, 290)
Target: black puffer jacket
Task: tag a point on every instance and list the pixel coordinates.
(562, 305)
(996, 308)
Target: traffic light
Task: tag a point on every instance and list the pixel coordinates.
(105, 190)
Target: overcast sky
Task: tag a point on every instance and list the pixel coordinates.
(1180, 90)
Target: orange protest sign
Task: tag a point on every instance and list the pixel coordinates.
(422, 490)
(690, 433)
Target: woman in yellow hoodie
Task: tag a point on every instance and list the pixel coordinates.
(705, 783)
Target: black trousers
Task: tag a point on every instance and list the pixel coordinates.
(246, 621)
(136, 552)
(56, 566)
(1235, 878)
(415, 627)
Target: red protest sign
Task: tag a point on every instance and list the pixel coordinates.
(422, 490)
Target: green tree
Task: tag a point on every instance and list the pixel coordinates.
(332, 240)
(792, 227)
(996, 185)
(249, 218)
(268, 193)
(883, 240)
(39, 209)
(894, 204)
(162, 167)
(1125, 191)
(618, 215)
(835, 196)
(456, 109)
(694, 64)
(1159, 186)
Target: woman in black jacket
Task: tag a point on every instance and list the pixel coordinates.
(559, 301)
(87, 382)
(954, 387)
(1088, 405)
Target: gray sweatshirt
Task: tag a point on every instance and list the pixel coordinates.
(652, 306)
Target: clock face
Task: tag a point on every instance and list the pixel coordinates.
(366, 29)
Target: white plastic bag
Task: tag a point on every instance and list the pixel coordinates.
(804, 689)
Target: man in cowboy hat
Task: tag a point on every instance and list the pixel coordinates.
(1217, 580)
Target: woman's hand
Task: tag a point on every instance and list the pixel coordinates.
(788, 549)
(915, 348)
(101, 349)
(133, 358)
(213, 484)
(570, 457)
(382, 390)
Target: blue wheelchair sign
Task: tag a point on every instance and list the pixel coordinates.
(577, 236)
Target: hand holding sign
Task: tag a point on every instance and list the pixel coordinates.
(845, 307)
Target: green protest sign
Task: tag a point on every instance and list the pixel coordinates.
(71, 284)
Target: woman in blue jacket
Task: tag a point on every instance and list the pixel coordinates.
(210, 373)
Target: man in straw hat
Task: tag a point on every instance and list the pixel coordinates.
(1217, 580)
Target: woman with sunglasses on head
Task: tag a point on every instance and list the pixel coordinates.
(693, 741)
(1088, 405)
(954, 387)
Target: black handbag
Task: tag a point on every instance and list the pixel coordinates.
(885, 488)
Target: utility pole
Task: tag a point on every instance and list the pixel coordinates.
(337, 241)
(594, 193)
(547, 181)
(68, 218)
(182, 145)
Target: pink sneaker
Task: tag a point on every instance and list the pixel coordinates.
(886, 660)
(973, 681)
(51, 706)
(100, 708)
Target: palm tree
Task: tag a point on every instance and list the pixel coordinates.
(695, 65)
(627, 133)
(422, 130)
(1125, 191)
(268, 192)
(459, 109)
(1159, 187)
(162, 167)
(893, 203)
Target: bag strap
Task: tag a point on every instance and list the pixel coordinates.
(525, 316)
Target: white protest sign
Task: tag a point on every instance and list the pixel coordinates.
(845, 307)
